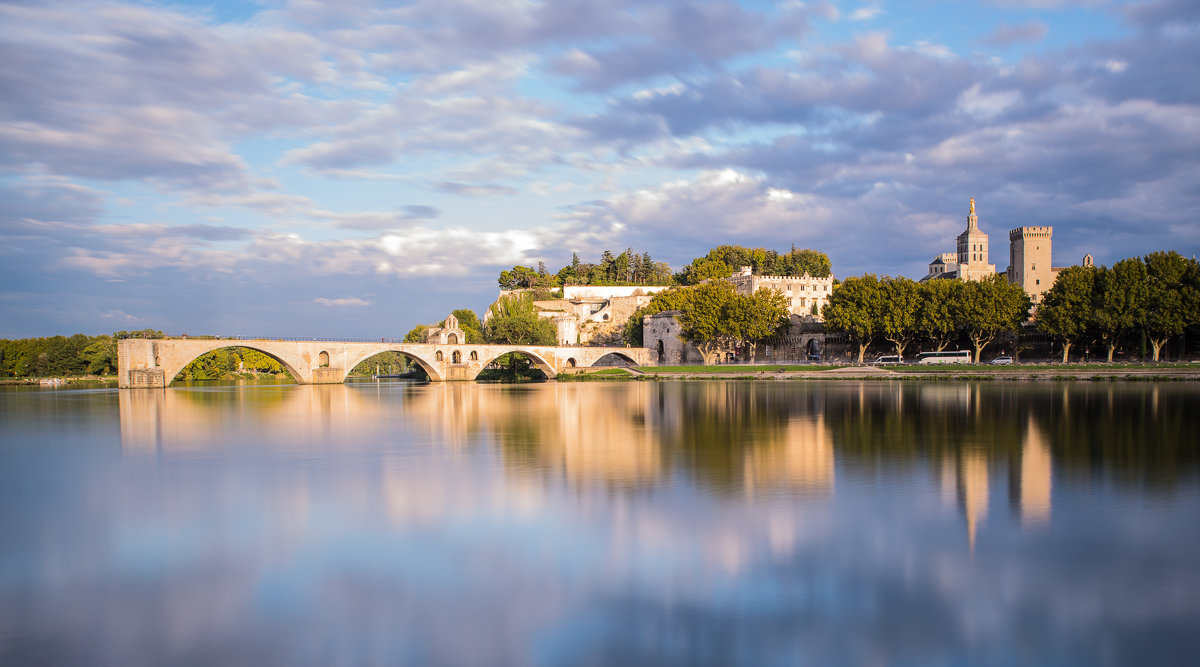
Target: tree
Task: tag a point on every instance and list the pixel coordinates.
(758, 316)
(1172, 299)
(519, 277)
(937, 311)
(513, 320)
(1066, 310)
(416, 334)
(701, 270)
(468, 321)
(671, 299)
(805, 261)
(100, 356)
(705, 320)
(523, 329)
(856, 309)
(991, 306)
(1119, 304)
(901, 305)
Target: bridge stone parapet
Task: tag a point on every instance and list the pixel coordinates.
(155, 362)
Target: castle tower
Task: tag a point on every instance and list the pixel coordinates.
(1029, 260)
(973, 250)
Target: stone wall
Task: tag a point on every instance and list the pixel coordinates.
(660, 335)
(608, 291)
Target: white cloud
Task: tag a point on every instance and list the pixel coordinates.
(345, 301)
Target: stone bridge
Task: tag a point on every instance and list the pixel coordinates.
(155, 362)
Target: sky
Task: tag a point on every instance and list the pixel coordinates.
(353, 168)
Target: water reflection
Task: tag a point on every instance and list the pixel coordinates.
(635, 523)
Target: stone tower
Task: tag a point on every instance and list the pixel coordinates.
(973, 250)
(1029, 260)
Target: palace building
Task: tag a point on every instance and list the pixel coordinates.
(1029, 252)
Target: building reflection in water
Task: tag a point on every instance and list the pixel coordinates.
(966, 468)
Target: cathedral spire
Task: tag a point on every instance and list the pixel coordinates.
(972, 219)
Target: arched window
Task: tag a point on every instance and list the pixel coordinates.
(474, 355)
(438, 356)
(323, 359)
(452, 339)
(456, 357)
(571, 362)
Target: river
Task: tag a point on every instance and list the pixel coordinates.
(635, 523)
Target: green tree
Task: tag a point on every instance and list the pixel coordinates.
(513, 320)
(416, 334)
(758, 316)
(804, 261)
(1066, 310)
(856, 308)
(519, 277)
(100, 356)
(1120, 301)
(522, 329)
(990, 307)
(902, 305)
(468, 321)
(937, 311)
(1172, 299)
(671, 299)
(701, 270)
(705, 320)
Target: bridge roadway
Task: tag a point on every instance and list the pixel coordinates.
(155, 362)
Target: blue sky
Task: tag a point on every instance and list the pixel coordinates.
(354, 168)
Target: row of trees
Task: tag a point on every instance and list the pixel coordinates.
(722, 261)
(1157, 295)
(627, 268)
(65, 356)
(902, 312)
(713, 317)
(631, 268)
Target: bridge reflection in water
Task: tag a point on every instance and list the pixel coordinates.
(745, 439)
(554, 523)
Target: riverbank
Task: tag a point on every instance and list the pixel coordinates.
(1079, 372)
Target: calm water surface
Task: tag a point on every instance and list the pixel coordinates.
(708, 523)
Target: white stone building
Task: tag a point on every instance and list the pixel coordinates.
(806, 295)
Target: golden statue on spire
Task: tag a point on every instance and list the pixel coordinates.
(972, 206)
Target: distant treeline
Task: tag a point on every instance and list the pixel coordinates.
(64, 356)
(79, 355)
(633, 268)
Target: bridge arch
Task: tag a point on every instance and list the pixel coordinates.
(629, 361)
(429, 369)
(538, 361)
(179, 362)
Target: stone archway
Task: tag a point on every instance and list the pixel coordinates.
(323, 359)
(452, 339)
(662, 354)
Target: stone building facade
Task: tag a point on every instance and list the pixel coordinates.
(806, 295)
(447, 334)
(1029, 258)
(661, 335)
(804, 341)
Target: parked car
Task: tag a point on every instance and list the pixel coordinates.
(888, 360)
(1002, 361)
